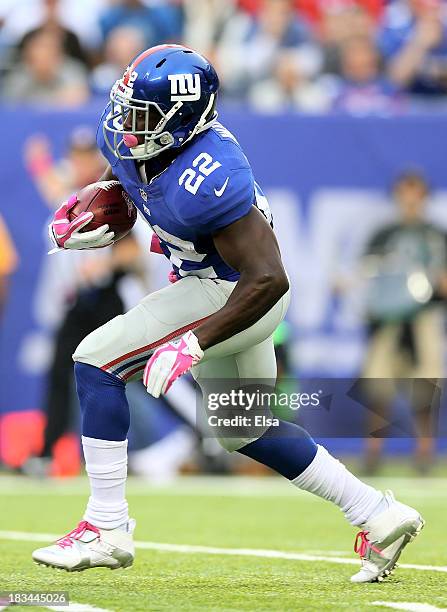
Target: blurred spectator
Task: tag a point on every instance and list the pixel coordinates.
(94, 302)
(414, 42)
(51, 24)
(80, 16)
(205, 22)
(290, 86)
(250, 47)
(89, 284)
(363, 89)
(8, 263)
(159, 23)
(121, 46)
(338, 27)
(45, 75)
(406, 267)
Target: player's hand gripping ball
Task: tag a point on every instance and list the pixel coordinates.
(96, 217)
(170, 361)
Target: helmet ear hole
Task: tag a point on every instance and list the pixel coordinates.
(186, 118)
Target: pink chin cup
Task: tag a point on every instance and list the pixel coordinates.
(130, 140)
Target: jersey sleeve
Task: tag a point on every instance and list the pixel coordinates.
(223, 198)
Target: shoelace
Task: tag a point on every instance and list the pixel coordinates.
(362, 545)
(76, 534)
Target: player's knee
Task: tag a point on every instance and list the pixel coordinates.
(236, 444)
(102, 397)
(83, 351)
(88, 378)
(228, 444)
(88, 351)
(91, 382)
(99, 347)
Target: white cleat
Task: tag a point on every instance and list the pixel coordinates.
(88, 546)
(383, 539)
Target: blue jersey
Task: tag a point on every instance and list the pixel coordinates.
(208, 186)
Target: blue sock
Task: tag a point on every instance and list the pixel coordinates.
(288, 449)
(104, 407)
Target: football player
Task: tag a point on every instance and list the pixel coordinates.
(190, 180)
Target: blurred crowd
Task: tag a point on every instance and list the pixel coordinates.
(312, 56)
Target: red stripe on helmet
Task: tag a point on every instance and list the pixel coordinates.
(141, 57)
(152, 50)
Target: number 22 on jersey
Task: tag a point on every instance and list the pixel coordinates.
(192, 179)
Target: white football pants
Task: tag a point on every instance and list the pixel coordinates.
(123, 345)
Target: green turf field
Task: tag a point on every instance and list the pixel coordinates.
(229, 513)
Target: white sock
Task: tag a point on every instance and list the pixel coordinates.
(329, 479)
(106, 466)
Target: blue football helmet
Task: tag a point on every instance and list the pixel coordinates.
(166, 96)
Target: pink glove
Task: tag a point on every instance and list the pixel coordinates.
(65, 234)
(171, 361)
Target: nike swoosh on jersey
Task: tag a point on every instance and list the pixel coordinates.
(219, 192)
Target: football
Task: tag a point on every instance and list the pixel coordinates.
(110, 205)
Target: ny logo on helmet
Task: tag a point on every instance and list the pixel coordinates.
(185, 87)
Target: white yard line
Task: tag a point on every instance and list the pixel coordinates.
(410, 607)
(212, 550)
(77, 607)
